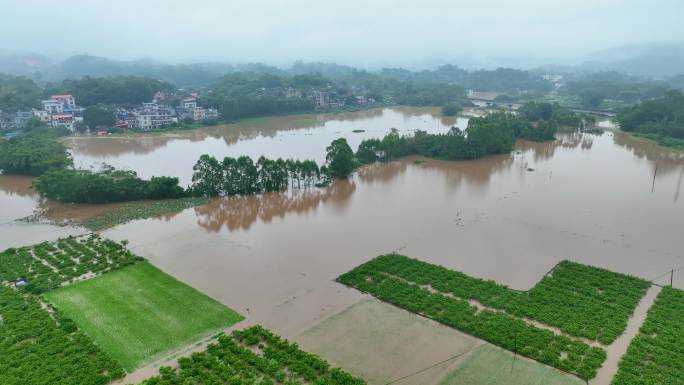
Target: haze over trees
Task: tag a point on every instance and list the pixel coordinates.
(594, 88)
(662, 118)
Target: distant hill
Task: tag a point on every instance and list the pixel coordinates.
(183, 75)
(658, 60)
(22, 63)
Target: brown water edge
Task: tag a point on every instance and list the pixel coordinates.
(293, 136)
(17, 200)
(490, 218)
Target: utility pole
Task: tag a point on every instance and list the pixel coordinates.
(671, 276)
(515, 343)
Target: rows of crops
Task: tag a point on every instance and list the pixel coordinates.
(253, 356)
(48, 265)
(401, 281)
(656, 355)
(580, 300)
(39, 348)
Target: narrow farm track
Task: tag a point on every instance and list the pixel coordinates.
(618, 348)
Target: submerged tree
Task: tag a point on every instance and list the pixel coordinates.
(340, 159)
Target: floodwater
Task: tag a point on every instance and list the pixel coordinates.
(607, 200)
(19, 200)
(295, 136)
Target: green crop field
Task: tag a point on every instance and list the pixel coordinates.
(490, 365)
(253, 356)
(582, 301)
(137, 313)
(656, 354)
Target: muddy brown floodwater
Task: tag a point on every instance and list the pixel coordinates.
(607, 200)
(294, 136)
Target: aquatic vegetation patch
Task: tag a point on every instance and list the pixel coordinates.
(253, 356)
(140, 312)
(656, 354)
(581, 301)
(48, 265)
(38, 347)
(132, 211)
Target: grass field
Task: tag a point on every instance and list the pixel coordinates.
(139, 312)
(489, 365)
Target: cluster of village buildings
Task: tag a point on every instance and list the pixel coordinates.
(163, 110)
(166, 108)
(326, 99)
(61, 111)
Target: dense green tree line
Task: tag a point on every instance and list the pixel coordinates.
(662, 117)
(18, 93)
(243, 176)
(33, 154)
(593, 89)
(243, 94)
(500, 79)
(492, 134)
(538, 111)
(105, 186)
(126, 91)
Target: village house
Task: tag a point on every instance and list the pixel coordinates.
(60, 111)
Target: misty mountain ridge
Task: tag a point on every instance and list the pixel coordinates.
(656, 60)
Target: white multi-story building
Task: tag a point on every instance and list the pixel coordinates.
(52, 106)
(68, 101)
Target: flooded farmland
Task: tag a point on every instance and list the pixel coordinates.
(607, 200)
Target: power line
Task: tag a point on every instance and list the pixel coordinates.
(430, 367)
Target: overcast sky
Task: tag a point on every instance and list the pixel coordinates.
(365, 33)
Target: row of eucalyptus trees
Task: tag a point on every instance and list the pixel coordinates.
(243, 176)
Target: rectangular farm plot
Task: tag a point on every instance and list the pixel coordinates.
(253, 356)
(139, 312)
(656, 354)
(577, 300)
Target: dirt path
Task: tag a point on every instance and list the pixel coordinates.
(619, 347)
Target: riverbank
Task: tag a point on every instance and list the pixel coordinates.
(257, 120)
(664, 141)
